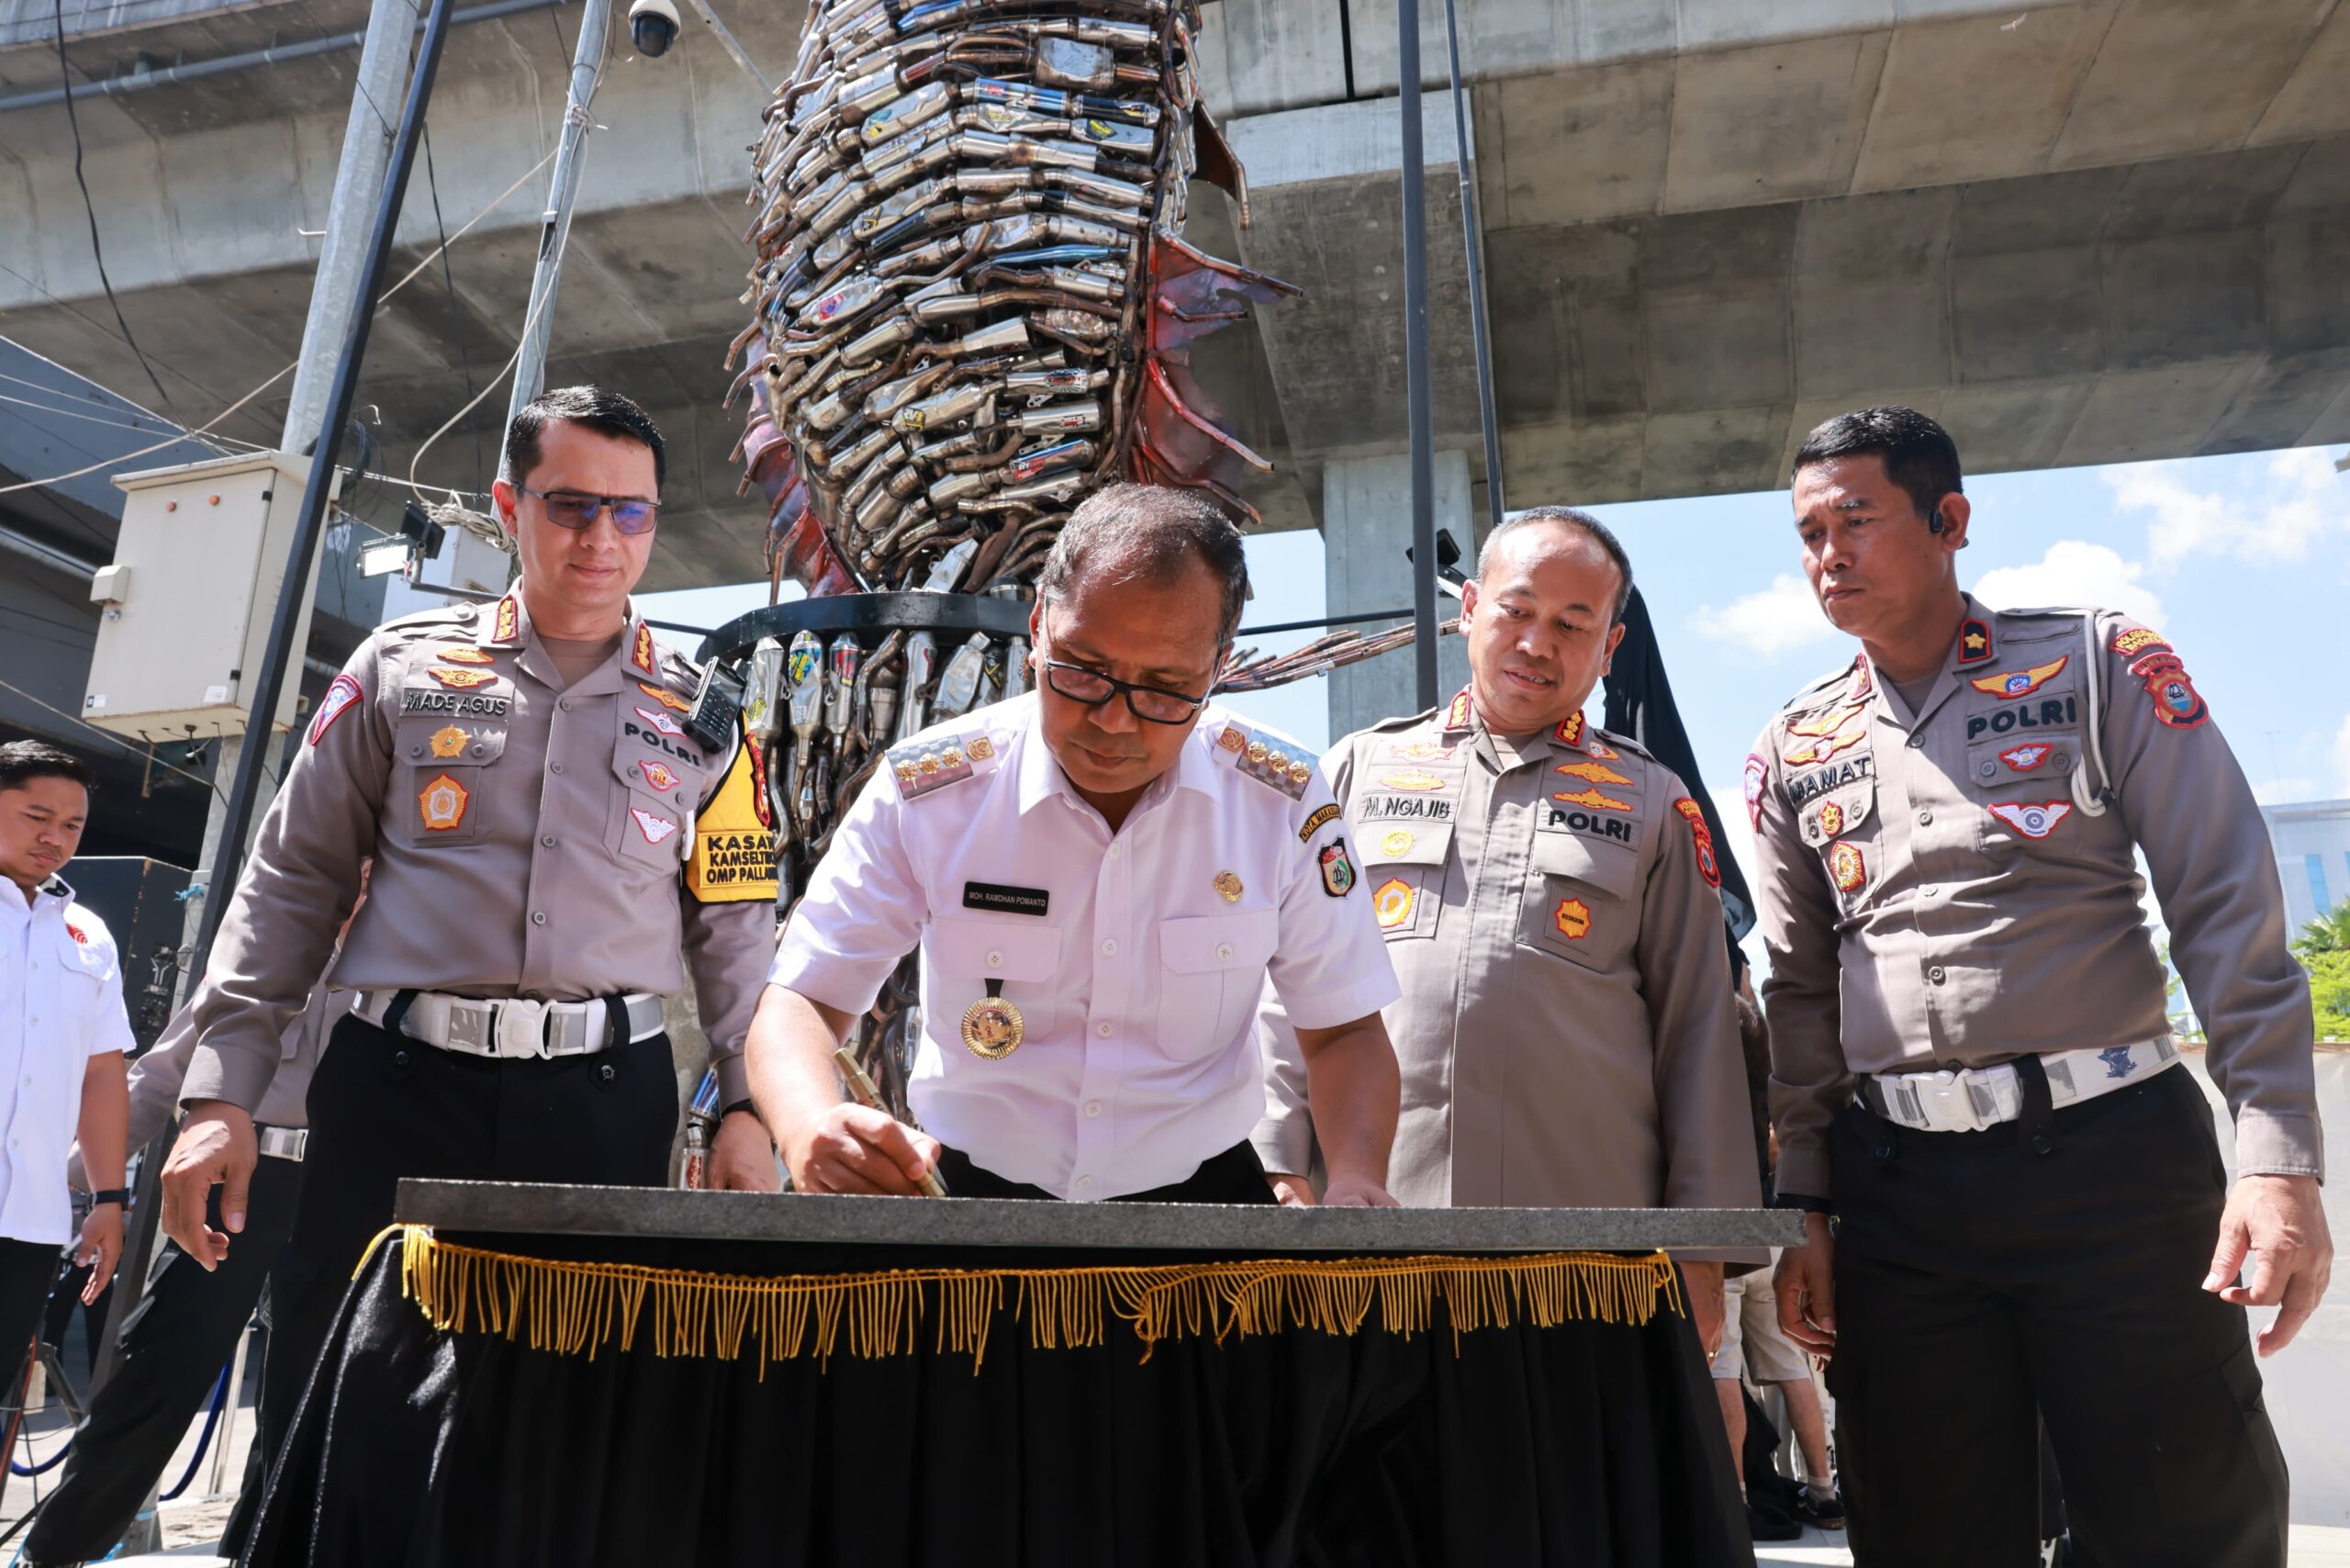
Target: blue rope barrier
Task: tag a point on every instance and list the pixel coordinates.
(211, 1420)
(45, 1466)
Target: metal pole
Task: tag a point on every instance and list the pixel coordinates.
(280, 652)
(1472, 236)
(733, 46)
(554, 233)
(1419, 417)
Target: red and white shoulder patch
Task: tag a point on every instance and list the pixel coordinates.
(341, 692)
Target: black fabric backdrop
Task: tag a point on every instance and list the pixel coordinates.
(1584, 1444)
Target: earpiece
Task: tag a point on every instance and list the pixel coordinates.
(1934, 520)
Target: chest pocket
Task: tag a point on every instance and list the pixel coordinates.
(1403, 869)
(962, 955)
(443, 778)
(1839, 814)
(1579, 902)
(1212, 974)
(662, 781)
(81, 982)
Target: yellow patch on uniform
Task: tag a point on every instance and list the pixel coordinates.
(1393, 903)
(1592, 798)
(1317, 820)
(508, 624)
(641, 652)
(1845, 864)
(1228, 884)
(667, 699)
(448, 741)
(1827, 723)
(733, 858)
(1603, 753)
(443, 803)
(980, 749)
(1821, 750)
(1457, 716)
(1419, 751)
(1231, 739)
(1573, 919)
(1416, 779)
(2131, 641)
(1831, 819)
(1597, 772)
(461, 655)
(1396, 843)
(2012, 684)
(1570, 728)
(462, 680)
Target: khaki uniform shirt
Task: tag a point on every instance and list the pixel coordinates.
(1935, 894)
(530, 840)
(1567, 1033)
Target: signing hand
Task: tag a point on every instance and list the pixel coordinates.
(741, 1157)
(1347, 1191)
(848, 1148)
(216, 1146)
(1806, 1285)
(2280, 1222)
(1291, 1192)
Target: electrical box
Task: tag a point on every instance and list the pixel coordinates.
(198, 569)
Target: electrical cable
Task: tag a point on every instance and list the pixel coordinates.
(110, 735)
(65, 78)
(449, 278)
(97, 326)
(201, 429)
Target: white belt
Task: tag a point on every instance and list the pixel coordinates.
(1977, 1097)
(512, 1027)
(281, 1143)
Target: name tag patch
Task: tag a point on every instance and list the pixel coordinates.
(1002, 899)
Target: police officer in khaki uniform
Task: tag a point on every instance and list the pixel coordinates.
(1549, 891)
(1972, 1070)
(521, 773)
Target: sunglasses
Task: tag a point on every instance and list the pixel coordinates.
(569, 509)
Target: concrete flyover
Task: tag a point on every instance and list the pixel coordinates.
(2080, 233)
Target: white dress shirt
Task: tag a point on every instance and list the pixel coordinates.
(61, 1004)
(1138, 978)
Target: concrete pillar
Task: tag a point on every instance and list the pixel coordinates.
(1366, 528)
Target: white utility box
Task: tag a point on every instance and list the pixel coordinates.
(196, 577)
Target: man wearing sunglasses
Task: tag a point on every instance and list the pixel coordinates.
(521, 773)
(1100, 875)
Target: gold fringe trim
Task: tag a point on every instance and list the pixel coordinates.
(573, 1308)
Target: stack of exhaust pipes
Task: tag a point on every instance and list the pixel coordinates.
(971, 308)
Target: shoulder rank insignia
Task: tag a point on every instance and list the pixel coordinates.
(442, 804)
(1594, 772)
(1974, 641)
(461, 655)
(666, 698)
(2033, 818)
(461, 679)
(1710, 865)
(2177, 702)
(934, 764)
(1265, 763)
(506, 626)
(641, 652)
(341, 692)
(1458, 716)
(1845, 864)
(2021, 682)
(2132, 641)
(1571, 729)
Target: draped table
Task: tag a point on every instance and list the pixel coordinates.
(576, 1375)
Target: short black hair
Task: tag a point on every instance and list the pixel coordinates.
(606, 413)
(21, 762)
(1150, 533)
(1920, 455)
(1598, 532)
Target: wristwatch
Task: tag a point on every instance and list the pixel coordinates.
(111, 1195)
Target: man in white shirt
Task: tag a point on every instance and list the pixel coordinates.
(63, 1034)
(1101, 875)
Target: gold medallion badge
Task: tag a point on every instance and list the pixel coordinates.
(1228, 884)
(992, 1029)
(448, 741)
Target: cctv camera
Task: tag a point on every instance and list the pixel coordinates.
(654, 25)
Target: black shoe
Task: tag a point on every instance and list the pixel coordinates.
(1770, 1524)
(1827, 1513)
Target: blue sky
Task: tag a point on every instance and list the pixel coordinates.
(2243, 562)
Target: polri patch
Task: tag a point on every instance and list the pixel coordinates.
(1572, 917)
(655, 827)
(1338, 871)
(1393, 903)
(1000, 897)
(1710, 865)
(659, 775)
(442, 804)
(2033, 818)
(2177, 702)
(2018, 683)
(2025, 757)
(341, 692)
(1845, 864)
(660, 721)
(666, 698)
(461, 679)
(1756, 777)
(1317, 820)
(1593, 798)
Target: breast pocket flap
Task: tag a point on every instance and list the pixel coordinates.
(437, 740)
(1201, 944)
(1604, 867)
(1393, 843)
(1837, 812)
(996, 949)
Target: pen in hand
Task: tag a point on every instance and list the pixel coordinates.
(861, 1089)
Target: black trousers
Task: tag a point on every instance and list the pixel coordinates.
(1236, 1176)
(384, 1106)
(2048, 1268)
(27, 1269)
(174, 1344)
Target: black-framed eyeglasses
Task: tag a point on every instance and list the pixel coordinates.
(1152, 704)
(569, 509)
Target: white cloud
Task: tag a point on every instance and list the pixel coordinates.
(2283, 791)
(2302, 501)
(1772, 620)
(2074, 572)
